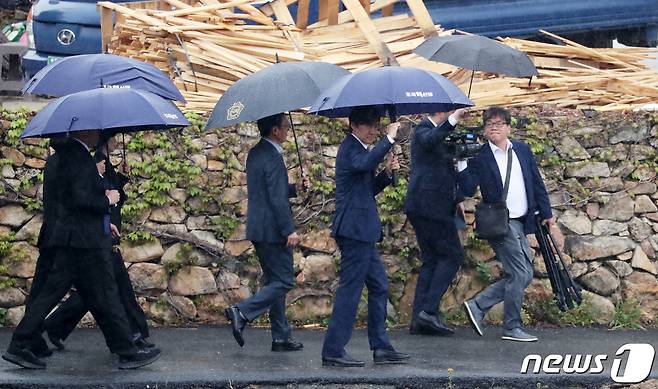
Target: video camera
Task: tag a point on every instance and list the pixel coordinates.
(464, 144)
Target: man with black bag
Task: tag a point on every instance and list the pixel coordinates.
(512, 190)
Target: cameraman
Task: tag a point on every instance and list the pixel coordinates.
(430, 206)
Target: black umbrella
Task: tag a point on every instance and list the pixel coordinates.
(476, 52)
(282, 87)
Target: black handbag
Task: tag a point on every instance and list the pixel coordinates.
(492, 219)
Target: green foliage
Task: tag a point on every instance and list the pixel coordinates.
(18, 120)
(483, 271)
(139, 237)
(548, 311)
(197, 121)
(473, 242)
(3, 316)
(5, 245)
(627, 315)
(7, 282)
(391, 202)
(225, 225)
(166, 169)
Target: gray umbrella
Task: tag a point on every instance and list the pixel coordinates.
(476, 52)
(282, 87)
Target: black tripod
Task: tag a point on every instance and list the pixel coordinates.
(567, 292)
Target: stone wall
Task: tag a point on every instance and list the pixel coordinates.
(183, 239)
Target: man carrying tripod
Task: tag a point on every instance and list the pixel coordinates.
(506, 172)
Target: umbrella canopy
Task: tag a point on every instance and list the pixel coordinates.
(476, 52)
(282, 87)
(404, 90)
(91, 71)
(116, 110)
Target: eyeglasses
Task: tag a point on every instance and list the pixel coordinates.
(495, 124)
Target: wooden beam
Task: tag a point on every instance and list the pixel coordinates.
(332, 10)
(368, 28)
(302, 13)
(283, 14)
(366, 5)
(322, 9)
(388, 10)
(423, 17)
(106, 27)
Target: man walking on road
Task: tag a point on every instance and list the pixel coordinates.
(271, 229)
(430, 206)
(507, 170)
(357, 228)
(82, 239)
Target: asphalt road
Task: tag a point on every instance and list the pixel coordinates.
(209, 357)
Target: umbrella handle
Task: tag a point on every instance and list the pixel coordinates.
(299, 155)
(393, 117)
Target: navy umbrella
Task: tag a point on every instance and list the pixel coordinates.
(401, 90)
(477, 52)
(113, 110)
(90, 71)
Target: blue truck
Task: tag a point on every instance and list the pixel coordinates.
(60, 28)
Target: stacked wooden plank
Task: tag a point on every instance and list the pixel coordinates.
(207, 45)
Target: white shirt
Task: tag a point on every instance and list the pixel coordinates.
(451, 119)
(365, 146)
(276, 145)
(517, 202)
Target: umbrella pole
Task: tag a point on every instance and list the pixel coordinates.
(299, 155)
(470, 85)
(123, 150)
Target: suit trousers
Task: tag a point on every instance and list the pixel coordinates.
(65, 318)
(278, 278)
(441, 254)
(43, 268)
(91, 272)
(514, 253)
(359, 264)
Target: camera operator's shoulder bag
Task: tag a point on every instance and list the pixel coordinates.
(492, 219)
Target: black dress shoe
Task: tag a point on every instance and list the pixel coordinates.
(383, 356)
(432, 322)
(57, 342)
(238, 322)
(23, 358)
(417, 329)
(45, 353)
(143, 343)
(141, 358)
(344, 361)
(286, 345)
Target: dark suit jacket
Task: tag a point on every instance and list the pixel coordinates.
(432, 185)
(80, 219)
(483, 171)
(269, 217)
(51, 200)
(356, 186)
(114, 180)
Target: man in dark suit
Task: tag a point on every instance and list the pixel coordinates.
(51, 203)
(63, 321)
(526, 196)
(272, 231)
(357, 228)
(82, 242)
(430, 206)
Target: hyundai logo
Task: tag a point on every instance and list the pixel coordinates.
(66, 37)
